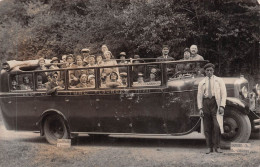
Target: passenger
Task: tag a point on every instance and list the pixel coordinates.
(26, 85)
(113, 80)
(103, 79)
(69, 62)
(153, 75)
(122, 62)
(123, 76)
(137, 69)
(194, 53)
(140, 79)
(40, 85)
(92, 63)
(14, 84)
(79, 64)
(85, 55)
(91, 81)
(63, 59)
(54, 62)
(104, 48)
(109, 62)
(186, 67)
(100, 61)
(165, 56)
(83, 82)
(41, 66)
(54, 84)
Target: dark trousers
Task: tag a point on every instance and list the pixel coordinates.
(211, 126)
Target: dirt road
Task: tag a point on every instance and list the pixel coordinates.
(28, 149)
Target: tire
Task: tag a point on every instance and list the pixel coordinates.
(54, 129)
(237, 128)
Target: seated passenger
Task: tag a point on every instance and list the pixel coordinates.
(79, 64)
(140, 79)
(113, 82)
(14, 84)
(165, 56)
(153, 75)
(123, 76)
(85, 55)
(92, 63)
(91, 81)
(54, 62)
(83, 82)
(40, 85)
(109, 62)
(26, 85)
(73, 80)
(185, 67)
(54, 84)
(122, 62)
(100, 61)
(41, 66)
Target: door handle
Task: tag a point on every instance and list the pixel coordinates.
(67, 100)
(9, 102)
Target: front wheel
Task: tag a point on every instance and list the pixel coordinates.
(237, 128)
(54, 129)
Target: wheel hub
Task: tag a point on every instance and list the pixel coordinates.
(230, 128)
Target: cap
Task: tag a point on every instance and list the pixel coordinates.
(70, 55)
(208, 65)
(85, 50)
(165, 46)
(140, 74)
(55, 59)
(186, 50)
(122, 54)
(153, 70)
(92, 56)
(40, 59)
(123, 74)
(91, 76)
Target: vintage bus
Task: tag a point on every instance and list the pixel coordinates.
(139, 98)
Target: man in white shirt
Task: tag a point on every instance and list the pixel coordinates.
(211, 101)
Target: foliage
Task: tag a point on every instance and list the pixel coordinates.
(227, 32)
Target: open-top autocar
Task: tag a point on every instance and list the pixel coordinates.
(138, 98)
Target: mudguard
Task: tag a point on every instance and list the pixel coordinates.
(240, 105)
(51, 111)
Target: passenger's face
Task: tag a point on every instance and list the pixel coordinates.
(79, 62)
(83, 79)
(124, 79)
(104, 48)
(209, 72)
(165, 51)
(186, 55)
(92, 81)
(64, 58)
(194, 49)
(26, 80)
(14, 82)
(99, 59)
(49, 78)
(122, 57)
(107, 56)
(41, 62)
(113, 76)
(70, 60)
(92, 60)
(85, 54)
(55, 77)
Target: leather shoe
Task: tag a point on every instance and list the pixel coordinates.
(210, 150)
(217, 150)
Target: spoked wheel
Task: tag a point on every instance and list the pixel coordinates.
(54, 129)
(237, 128)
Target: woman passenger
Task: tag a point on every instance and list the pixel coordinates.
(41, 66)
(109, 61)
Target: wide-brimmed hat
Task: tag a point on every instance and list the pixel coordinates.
(86, 50)
(55, 59)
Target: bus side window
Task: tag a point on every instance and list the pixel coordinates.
(21, 82)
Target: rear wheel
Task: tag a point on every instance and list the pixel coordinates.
(54, 129)
(237, 128)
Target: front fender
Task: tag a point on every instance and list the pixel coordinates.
(49, 112)
(240, 105)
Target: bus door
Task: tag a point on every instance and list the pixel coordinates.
(111, 105)
(147, 100)
(21, 101)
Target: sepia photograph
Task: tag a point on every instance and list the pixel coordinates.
(130, 83)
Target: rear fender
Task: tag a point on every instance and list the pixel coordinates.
(240, 105)
(51, 112)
